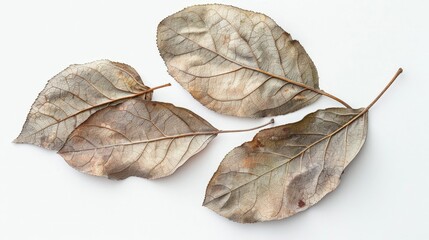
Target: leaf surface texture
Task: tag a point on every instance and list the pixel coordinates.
(287, 169)
(235, 61)
(137, 138)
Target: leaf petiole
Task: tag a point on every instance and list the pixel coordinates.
(384, 90)
(372, 103)
(246, 130)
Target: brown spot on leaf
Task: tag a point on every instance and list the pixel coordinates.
(259, 144)
(226, 39)
(300, 97)
(301, 204)
(249, 163)
(256, 143)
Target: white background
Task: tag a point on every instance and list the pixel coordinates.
(356, 45)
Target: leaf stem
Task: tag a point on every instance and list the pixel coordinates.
(246, 130)
(384, 90)
(369, 106)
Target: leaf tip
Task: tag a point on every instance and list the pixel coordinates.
(18, 139)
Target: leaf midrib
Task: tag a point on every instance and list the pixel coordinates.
(146, 141)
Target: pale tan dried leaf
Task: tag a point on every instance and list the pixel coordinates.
(73, 95)
(287, 169)
(237, 62)
(137, 138)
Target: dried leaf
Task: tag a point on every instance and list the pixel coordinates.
(137, 138)
(237, 62)
(73, 95)
(287, 169)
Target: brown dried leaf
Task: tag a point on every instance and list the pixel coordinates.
(137, 138)
(287, 169)
(73, 95)
(237, 62)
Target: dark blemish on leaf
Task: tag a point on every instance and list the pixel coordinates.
(249, 163)
(105, 157)
(301, 203)
(259, 144)
(256, 143)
